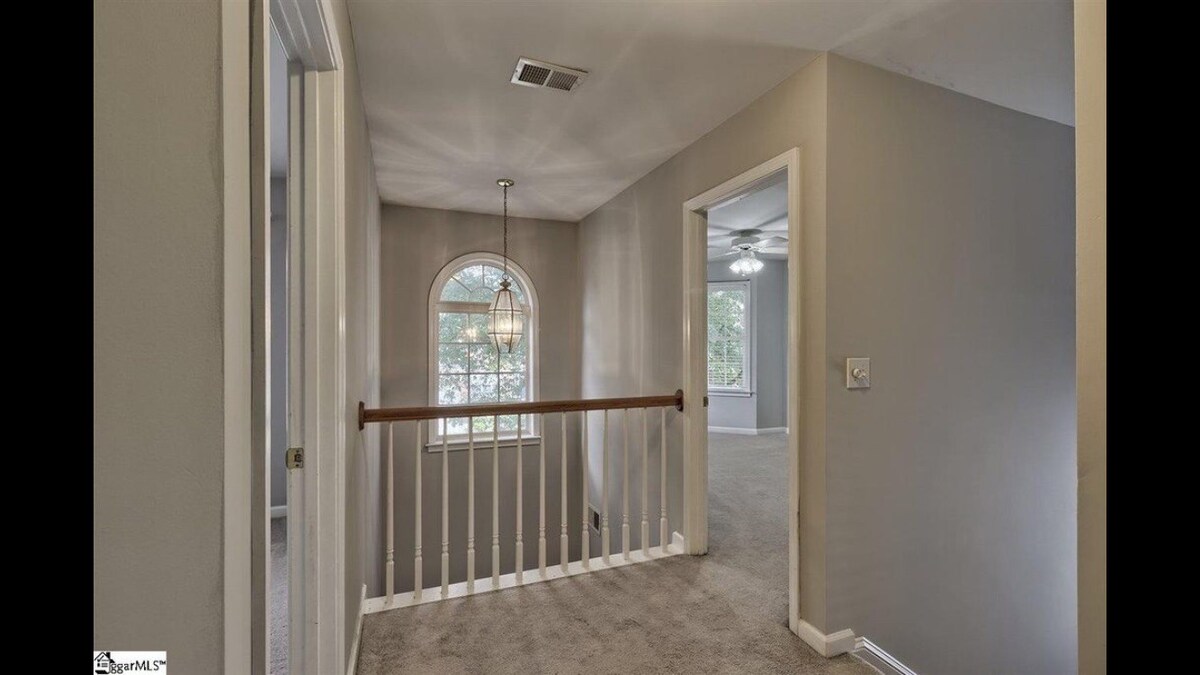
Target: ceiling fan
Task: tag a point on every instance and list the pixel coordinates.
(747, 240)
(745, 244)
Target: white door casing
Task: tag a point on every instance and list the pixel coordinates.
(695, 333)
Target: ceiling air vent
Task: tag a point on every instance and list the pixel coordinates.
(530, 73)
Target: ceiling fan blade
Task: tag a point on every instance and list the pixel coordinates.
(727, 253)
(771, 241)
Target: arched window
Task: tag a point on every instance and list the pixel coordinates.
(464, 366)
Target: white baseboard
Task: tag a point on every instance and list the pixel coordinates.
(882, 661)
(279, 511)
(352, 666)
(826, 645)
(742, 431)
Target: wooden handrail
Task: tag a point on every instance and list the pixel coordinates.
(435, 412)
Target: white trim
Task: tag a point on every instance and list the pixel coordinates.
(298, 564)
(279, 511)
(533, 336)
(484, 585)
(728, 393)
(748, 342)
(881, 659)
(740, 431)
(829, 645)
(306, 31)
(326, 409)
(483, 441)
(748, 432)
(352, 665)
(236, 310)
(695, 380)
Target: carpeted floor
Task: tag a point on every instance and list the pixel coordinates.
(279, 596)
(725, 612)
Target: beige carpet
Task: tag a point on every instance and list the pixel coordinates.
(279, 597)
(725, 612)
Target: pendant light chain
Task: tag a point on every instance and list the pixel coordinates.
(506, 316)
(505, 233)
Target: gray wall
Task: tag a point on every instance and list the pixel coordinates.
(279, 342)
(1091, 123)
(632, 312)
(951, 481)
(417, 244)
(766, 408)
(157, 386)
(363, 497)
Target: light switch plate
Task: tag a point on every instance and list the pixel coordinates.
(863, 365)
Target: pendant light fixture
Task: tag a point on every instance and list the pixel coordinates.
(506, 317)
(747, 264)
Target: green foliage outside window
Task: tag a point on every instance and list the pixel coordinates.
(728, 337)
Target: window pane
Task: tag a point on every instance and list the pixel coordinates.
(512, 387)
(483, 358)
(508, 423)
(470, 277)
(452, 358)
(491, 277)
(452, 327)
(483, 388)
(455, 290)
(458, 425)
(483, 295)
(478, 327)
(728, 337)
(514, 362)
(452, 390)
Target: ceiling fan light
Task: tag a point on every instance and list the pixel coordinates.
(747, 264)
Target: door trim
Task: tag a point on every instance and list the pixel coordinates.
(238, 589)
(695, 358)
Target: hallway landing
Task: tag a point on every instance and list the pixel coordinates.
(725, 612)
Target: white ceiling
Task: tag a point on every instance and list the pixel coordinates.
(445, 122)
(765, 209)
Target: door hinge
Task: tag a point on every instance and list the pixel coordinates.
(295, 458)
(705, 401)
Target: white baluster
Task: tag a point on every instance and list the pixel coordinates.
(645, 484)
(445, 508)
(391, 514)
(585, 539)
(542, 500)
(604, 492)
(520, 569)
(662, 490)
(470, 505)
(417, 580)
(625, 486)
(562, 539)
(495, 502)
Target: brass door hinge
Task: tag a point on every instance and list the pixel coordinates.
(705, 401)
(295, 458)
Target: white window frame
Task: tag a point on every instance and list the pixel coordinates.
(747, 339)
(530, 434)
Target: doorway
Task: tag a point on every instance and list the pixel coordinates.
(773, 242)
(280, 411)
